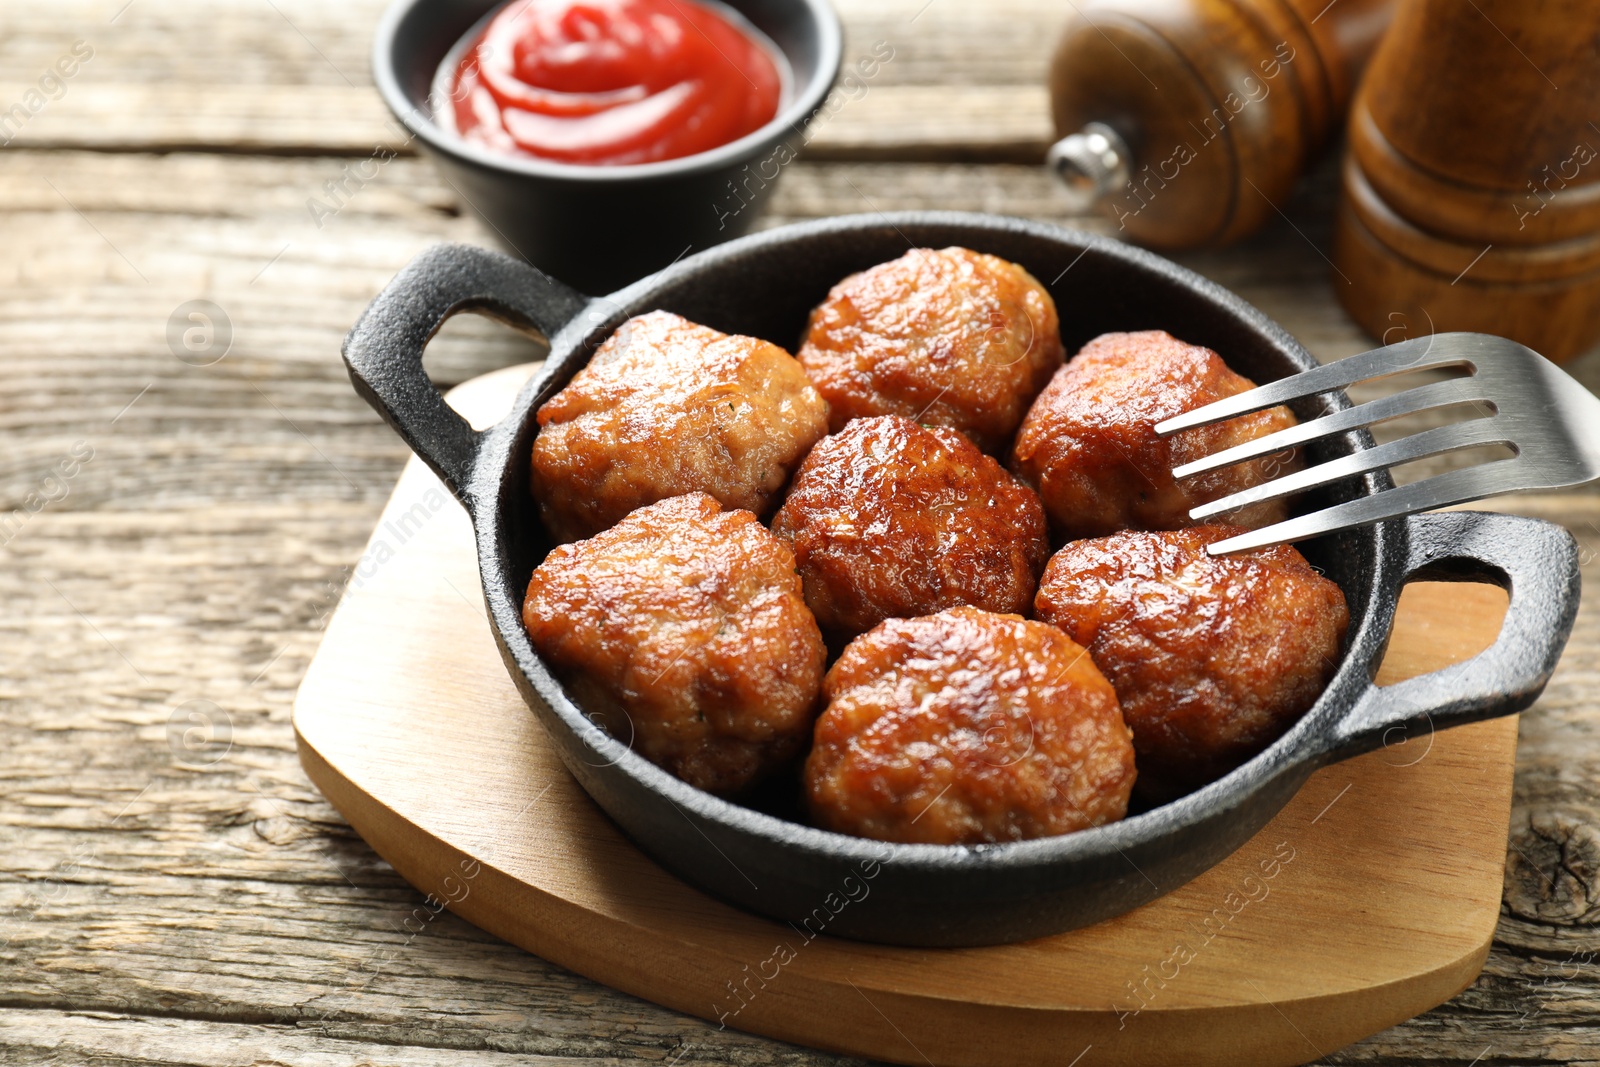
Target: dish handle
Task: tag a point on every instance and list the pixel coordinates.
(1537, 562)
(384, 348)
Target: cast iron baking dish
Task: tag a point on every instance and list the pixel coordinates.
(764, 285)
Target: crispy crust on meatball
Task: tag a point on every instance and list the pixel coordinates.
(889, 519)
(967, 727)
(1212, 658)
(1089, 444)
(682, 630)
(949, 337)
(667, 407)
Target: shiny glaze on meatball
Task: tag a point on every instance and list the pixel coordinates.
(949, 337)
(1212, 658)
(667, 407)
(682, 631)
(1089, 445)
(889, 519)
(967, 727)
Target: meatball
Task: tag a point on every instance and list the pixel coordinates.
(890, 519)
(950, 337)
(1089, 443)
(667, 407)
(967, 727)
(1212, 658)
(682, 631)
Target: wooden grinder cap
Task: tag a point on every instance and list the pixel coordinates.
(1188, 121)
(1471, 195)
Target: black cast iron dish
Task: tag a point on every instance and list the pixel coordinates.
(764, 285)
(601, 227)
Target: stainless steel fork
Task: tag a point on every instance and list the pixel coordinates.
(1528, 404)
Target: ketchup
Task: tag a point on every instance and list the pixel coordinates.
(612, 81)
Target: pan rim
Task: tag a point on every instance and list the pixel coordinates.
(1292, 754)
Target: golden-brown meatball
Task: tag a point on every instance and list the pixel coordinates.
(889, 519)
(682, 631)
(967, 727)
(667, 407)
(949, 337)
(1089, 443)
(1212, 658)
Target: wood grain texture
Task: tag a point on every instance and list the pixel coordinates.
(293, 78)
(1472, 184)
(1372, 896)
(158, 911)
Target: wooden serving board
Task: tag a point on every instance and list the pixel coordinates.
(1372, 897)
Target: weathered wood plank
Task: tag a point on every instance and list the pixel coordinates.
(294, 78)
(306, 42)
(103, 249)
(142, 884)
(904, 122)
(55, 1037)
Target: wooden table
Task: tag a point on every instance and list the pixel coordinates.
(166, 900)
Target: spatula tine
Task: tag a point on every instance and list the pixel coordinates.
(1417, 446)
(1396, 358)
(1442, 490)
(1436, 394)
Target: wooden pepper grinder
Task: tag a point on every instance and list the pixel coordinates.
(1189, 121)
(1471, 195)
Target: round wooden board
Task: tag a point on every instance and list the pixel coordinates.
(1372, 897)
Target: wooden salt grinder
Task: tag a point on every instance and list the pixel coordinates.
(1189, 121)
(1471, 188)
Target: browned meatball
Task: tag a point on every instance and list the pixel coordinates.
(683, 632)
(1089, 443)
(666, 407)
(1212, 658)
(967, 727)
(890, 519)
(950, 337)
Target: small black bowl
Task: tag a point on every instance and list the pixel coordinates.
(601, 227)
(764, 285)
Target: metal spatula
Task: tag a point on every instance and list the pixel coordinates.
(1529, 404)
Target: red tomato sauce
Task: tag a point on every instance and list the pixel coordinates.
(612, 81)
